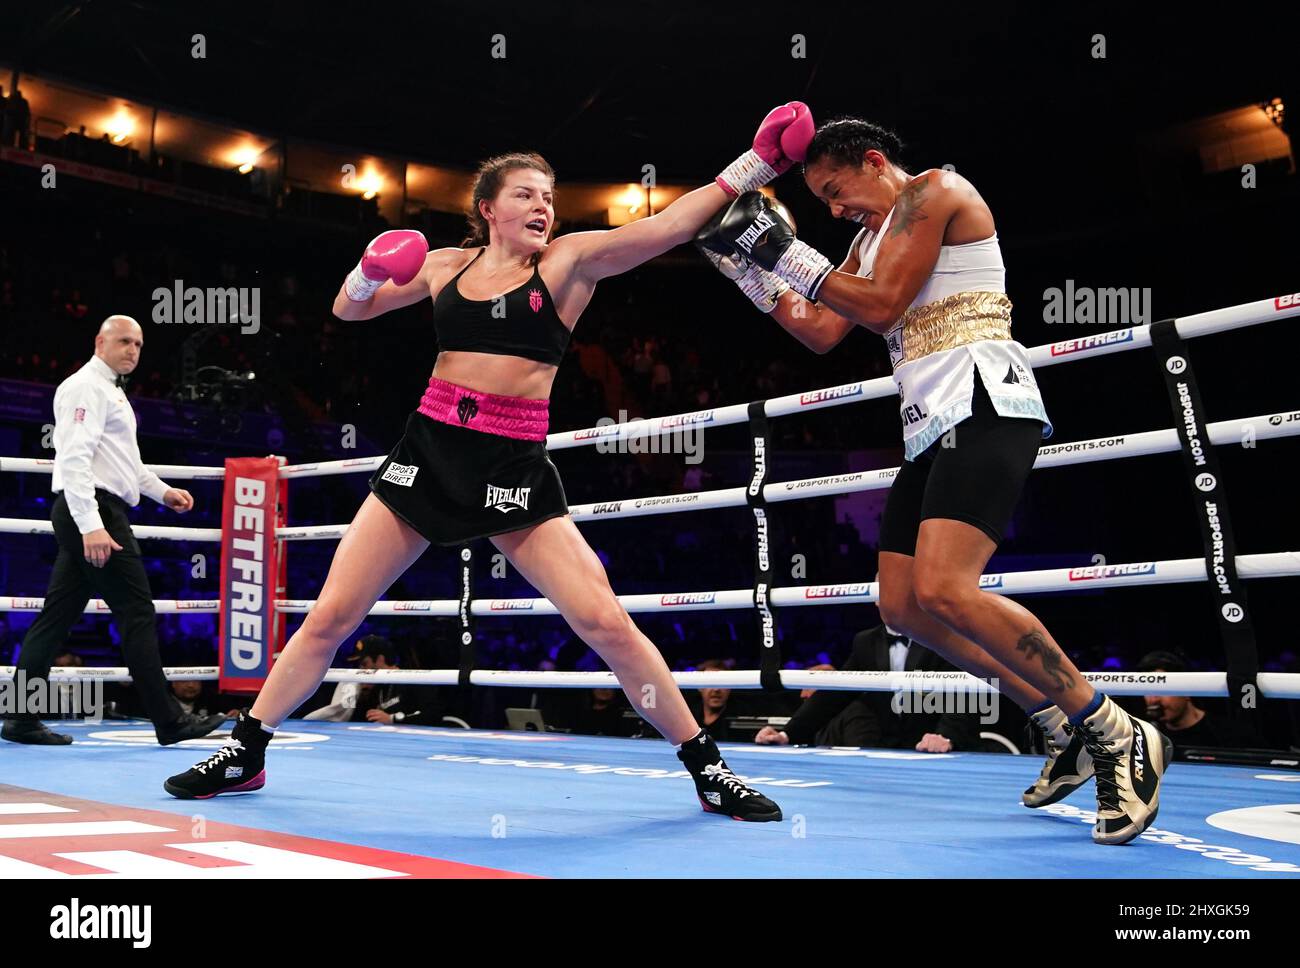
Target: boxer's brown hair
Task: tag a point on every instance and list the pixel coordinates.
(489, 178)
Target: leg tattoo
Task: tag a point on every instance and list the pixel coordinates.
(1035, 646)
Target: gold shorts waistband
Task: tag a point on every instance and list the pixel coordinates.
(963, 317)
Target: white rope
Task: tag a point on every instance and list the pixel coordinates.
(183, 472)
(353, 465)
(636, 429)
(1085, 578)
(1272, 685)
(1049, 354)
(1264, 427)
(414, 607)
(311, 532)
(163, 606)
(114, 674)
(32, 526)
(1268, 426)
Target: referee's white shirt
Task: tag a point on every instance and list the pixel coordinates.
(95, 446)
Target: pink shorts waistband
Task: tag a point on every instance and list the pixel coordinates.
(489, 413)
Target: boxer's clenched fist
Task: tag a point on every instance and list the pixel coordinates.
(781, 140)
(397, 255)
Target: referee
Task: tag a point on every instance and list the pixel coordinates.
(98, 475)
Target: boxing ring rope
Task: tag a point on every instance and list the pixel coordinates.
(1264, 427)
(1085, 578)
(1272, 685)
(1267, 426)
(1048, 354)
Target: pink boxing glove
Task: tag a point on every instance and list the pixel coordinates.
(397, 255)
(784, 135)
(781, 140)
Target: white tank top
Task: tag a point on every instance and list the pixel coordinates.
(936, 392)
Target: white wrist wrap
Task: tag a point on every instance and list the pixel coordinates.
(745, 174)
(804, 268)
(358, 286)
(763, 288)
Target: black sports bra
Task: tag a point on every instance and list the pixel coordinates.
(523, 322)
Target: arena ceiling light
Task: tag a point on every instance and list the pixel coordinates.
(120, 127)
(370, 183)
(244, 158)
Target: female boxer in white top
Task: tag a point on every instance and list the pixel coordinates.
(926, 273)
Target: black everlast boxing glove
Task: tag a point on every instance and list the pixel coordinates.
(751, 228)
(763, 288)
(709, 237)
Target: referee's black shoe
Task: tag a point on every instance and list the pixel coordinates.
(188, 726)
(32, 732)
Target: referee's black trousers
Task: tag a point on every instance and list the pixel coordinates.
(123, 585)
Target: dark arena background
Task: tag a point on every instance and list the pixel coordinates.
(1139, 169)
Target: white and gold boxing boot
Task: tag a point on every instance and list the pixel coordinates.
(1068, 765)
(1129, 757)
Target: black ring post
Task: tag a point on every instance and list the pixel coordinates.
(466, 616)
(761, 447)
(1205, 481)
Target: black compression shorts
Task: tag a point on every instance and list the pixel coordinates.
(978, 480)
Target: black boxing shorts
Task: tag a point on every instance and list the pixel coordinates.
(471, 465)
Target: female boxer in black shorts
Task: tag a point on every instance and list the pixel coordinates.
(926, 272)
(473, 461)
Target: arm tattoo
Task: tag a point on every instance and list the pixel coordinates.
(910, 202)
(1035, 645)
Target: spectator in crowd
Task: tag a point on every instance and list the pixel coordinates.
(199, 699)
(713, 705)
(16, 120)
(661, 383)
(1184, 722)
(591, 712)
(874, 721)
(853, 725)
(378, 702)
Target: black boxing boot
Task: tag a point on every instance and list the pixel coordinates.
(720, 790)
(238, 767)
